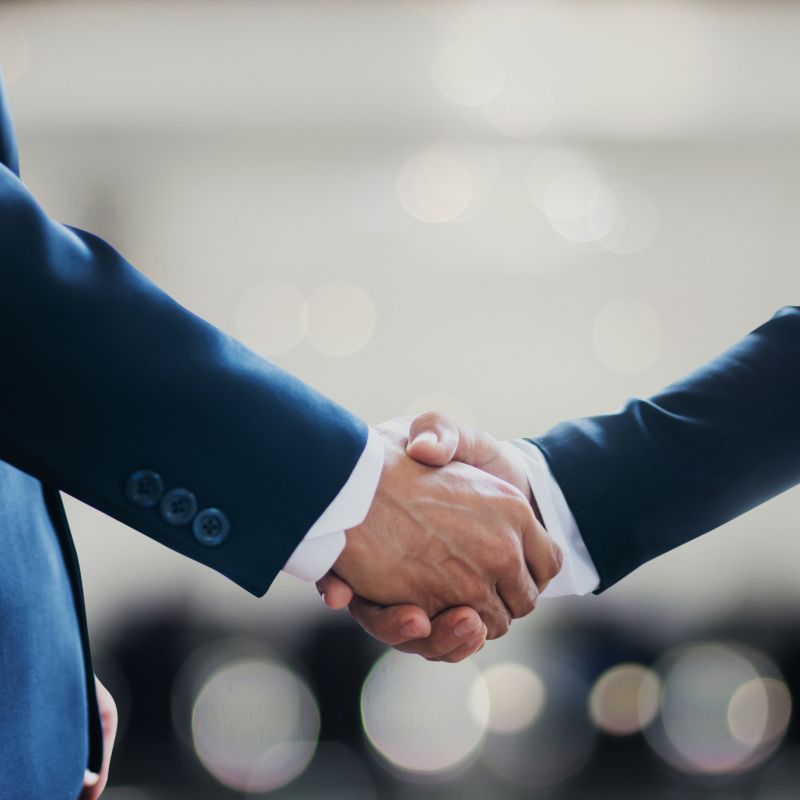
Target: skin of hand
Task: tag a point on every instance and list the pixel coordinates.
(442, 537)
(95, 783)
(455, 633)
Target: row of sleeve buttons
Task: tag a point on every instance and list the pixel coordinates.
(145, 489)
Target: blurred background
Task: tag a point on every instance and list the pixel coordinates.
(514, 212)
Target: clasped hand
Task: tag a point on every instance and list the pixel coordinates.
(451, 550)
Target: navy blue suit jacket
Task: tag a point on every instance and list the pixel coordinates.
(104, 377)
(704, 450)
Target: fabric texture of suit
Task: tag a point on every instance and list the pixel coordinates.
(105, 375)
(704, 450)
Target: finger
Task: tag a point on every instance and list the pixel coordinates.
(451, 630)
(95, 783)
(432, 439)
(391, 625)
(542, 555)
(466, 650)
(436, 439)
(517, 590)
(334, 591)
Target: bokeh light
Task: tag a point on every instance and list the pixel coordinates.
(559, 739)
(718, 712)
(455, 408)
(523, 108)
(628, 335)
(625, 699)
(424, 718)
(271, 317)
(634, 225)
(341, 318)
(434, 187)
(468, 72)
(579, 206)
(255, 725)
(547, 164)
(759, 710)
(516, 696)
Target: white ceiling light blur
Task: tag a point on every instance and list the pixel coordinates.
(434, 186)
(468, 72)
(517, 696)
(424, 718)
(556, 739)
(759, 711)
(271, 317)
(255, 725)
(523, 108)
(625, 699)
(724, 709)
(581, 207)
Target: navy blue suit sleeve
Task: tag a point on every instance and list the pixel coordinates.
(103, 374)
(706, 449)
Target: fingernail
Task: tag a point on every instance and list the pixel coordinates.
(466, 628)
(90, 778)
(410, 630)
(426, 437)
(324, 596)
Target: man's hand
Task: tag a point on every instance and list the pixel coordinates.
(446, 537)
(93, 784)
(457, 632)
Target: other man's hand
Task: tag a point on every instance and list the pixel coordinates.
(94, 783)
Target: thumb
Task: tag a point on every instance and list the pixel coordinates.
(334, 591)
(433, 439)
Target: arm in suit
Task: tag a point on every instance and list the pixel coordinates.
(665, 470)
(104, 376)
(620, 489)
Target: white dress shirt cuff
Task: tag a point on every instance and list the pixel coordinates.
(325, 540)
(578, 573)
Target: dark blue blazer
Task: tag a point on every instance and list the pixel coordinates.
(702, 451)
(115, 394)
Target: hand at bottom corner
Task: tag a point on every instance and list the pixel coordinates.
(95, 783)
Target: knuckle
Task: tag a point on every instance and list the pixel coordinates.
(453, 658)
(528, 604)
(498, 627)
(513, 498)
(508, 550)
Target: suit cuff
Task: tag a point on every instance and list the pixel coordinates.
(578, 574)
(325, 540)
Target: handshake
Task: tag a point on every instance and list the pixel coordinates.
(451, 550)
